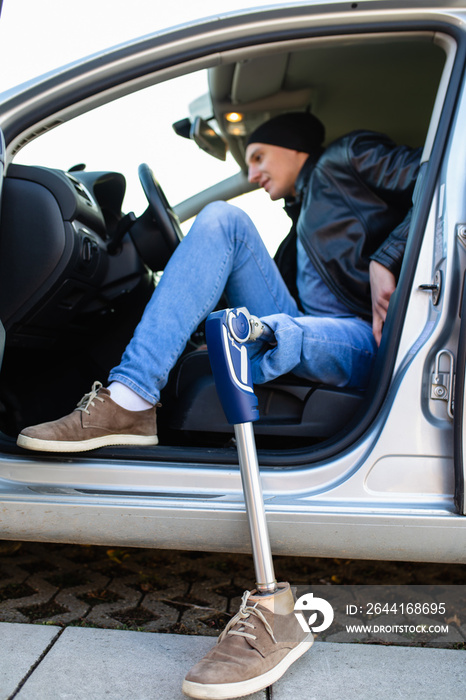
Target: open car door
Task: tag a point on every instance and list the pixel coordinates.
(460, 410)
(2, 170)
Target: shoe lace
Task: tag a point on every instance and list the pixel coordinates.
(88, 399)
(241, 617)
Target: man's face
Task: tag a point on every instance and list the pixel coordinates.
(274, 168)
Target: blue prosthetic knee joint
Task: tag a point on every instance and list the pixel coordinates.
(226, 333)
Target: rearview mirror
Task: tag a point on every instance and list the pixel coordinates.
(208, 140)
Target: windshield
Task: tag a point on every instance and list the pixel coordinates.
(138, 129)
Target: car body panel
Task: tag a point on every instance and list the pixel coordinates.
(386, 489)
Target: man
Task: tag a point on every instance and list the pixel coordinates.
(361, 187)
(351, 206)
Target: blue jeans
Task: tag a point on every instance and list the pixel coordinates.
(224, 252)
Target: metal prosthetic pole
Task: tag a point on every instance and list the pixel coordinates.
(226, 331)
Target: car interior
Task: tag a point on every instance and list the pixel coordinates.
(76, 271)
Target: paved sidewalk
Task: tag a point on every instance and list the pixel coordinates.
(41, 662)
(196, 593)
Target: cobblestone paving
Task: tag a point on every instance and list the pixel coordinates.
(174, 591)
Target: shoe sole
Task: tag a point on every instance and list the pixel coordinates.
(226, 691)
(38, 445)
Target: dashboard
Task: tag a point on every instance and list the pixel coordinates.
(63, 250)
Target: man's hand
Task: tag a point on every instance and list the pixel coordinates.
(382, 287)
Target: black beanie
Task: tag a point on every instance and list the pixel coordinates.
(299, 131)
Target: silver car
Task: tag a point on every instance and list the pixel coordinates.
(379, 474)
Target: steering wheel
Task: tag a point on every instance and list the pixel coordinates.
(165, 218)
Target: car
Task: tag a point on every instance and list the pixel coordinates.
(377, 474)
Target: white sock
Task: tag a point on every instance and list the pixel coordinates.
(127, 398)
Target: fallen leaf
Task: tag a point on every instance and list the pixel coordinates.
(453, 620)
(9, 547)
(117, 555)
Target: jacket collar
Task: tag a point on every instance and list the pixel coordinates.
(293, 204)
(305, 173)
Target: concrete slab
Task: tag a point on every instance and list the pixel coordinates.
(359, 671)
(83, 663)
(99, 664)
(21, 646)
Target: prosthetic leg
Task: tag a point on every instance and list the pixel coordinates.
(226, 333)
(264, 638)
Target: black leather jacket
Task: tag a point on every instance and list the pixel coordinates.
(352, 205)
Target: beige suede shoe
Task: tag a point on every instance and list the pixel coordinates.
(254, 650)
(97, 421)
